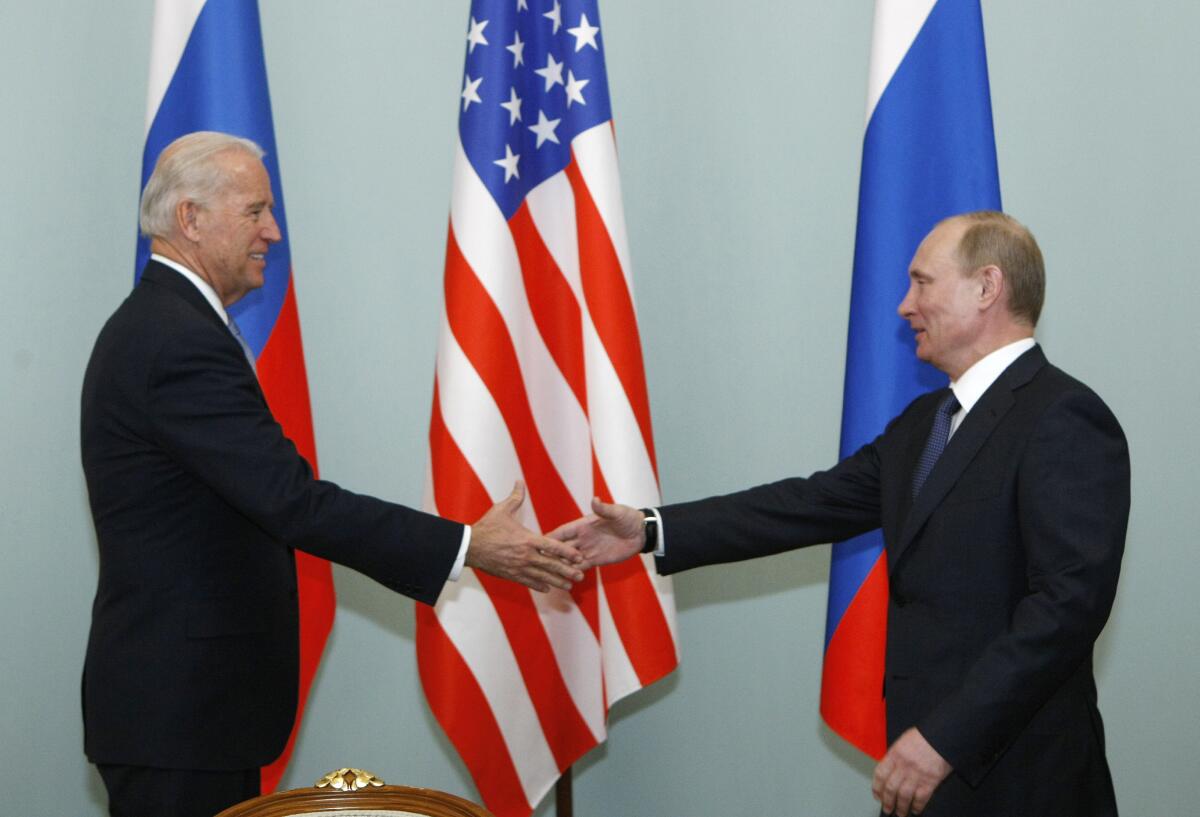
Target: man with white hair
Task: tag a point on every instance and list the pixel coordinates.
(190, 681)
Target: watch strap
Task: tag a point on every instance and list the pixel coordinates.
(650, 526)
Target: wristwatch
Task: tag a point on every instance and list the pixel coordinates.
(650, 526)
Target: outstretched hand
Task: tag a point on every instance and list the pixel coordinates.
(611, 533)
(500, 545)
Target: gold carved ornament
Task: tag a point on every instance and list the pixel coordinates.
(348, 780)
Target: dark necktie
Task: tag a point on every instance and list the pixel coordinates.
(237, 334)
(936, 444)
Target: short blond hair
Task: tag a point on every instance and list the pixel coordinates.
(996, 238)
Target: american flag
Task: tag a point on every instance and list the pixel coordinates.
(539, 377)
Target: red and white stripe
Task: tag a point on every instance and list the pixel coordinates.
(540, 378)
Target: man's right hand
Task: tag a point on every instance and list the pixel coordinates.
(611, 533)
(500, 545)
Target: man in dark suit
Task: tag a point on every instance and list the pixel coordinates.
(190, 680)
(1004, 543)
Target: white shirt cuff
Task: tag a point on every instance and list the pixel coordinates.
(660, 548)
(456, 571)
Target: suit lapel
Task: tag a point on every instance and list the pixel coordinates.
(975, 430)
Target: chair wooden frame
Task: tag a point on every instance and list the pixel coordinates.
(429, 802)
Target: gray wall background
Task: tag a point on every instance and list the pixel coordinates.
(740, 132)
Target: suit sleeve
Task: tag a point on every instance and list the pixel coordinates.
(207, 412)
(826, 507)
(1073, 509)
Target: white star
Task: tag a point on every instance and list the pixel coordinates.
(521, 5)
(545, 129)
(584, 34)
(552, 72)
(509, 163)
(513, 106)
(470, 91)
(475, 35)
(517, 48)
(555, 15)
(574, 89)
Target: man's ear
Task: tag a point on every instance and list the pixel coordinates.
(187, 215)
(991, 285)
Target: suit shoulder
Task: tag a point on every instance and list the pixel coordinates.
(150, 322)
(162, 303)
(150, 312)
(1054, 382)
(1057, 392)
(1055, 377)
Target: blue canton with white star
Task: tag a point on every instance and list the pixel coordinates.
(534, 80)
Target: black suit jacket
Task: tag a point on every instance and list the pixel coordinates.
(198, 500)
(1002, 574)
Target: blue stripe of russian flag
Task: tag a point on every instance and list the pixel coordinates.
(929, 152)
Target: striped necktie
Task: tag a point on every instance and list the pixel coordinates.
(237, 334)
(936, 444)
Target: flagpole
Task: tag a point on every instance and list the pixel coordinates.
(563, 804)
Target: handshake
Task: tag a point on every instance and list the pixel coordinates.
(500, 545)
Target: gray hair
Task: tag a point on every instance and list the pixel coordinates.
(997, 238)
(185, 171)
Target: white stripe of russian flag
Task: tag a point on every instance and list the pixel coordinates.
(897, 23)
(173, 24)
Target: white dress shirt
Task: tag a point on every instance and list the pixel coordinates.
(980, 377)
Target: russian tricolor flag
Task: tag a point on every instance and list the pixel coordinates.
(207, 72)
(929, 152)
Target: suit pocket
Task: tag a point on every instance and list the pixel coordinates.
(217, 618)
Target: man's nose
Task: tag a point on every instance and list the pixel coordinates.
(905, 307)
(270, 231)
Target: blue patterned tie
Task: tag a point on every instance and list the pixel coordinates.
(237, 334)
(936, 444)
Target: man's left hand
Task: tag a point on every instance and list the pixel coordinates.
(909, 772)
(611, 533)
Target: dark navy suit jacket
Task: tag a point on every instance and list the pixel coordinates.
(1002, 574)
(198, 501)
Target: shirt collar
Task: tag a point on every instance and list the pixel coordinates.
(980, 377)
(206, 290)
